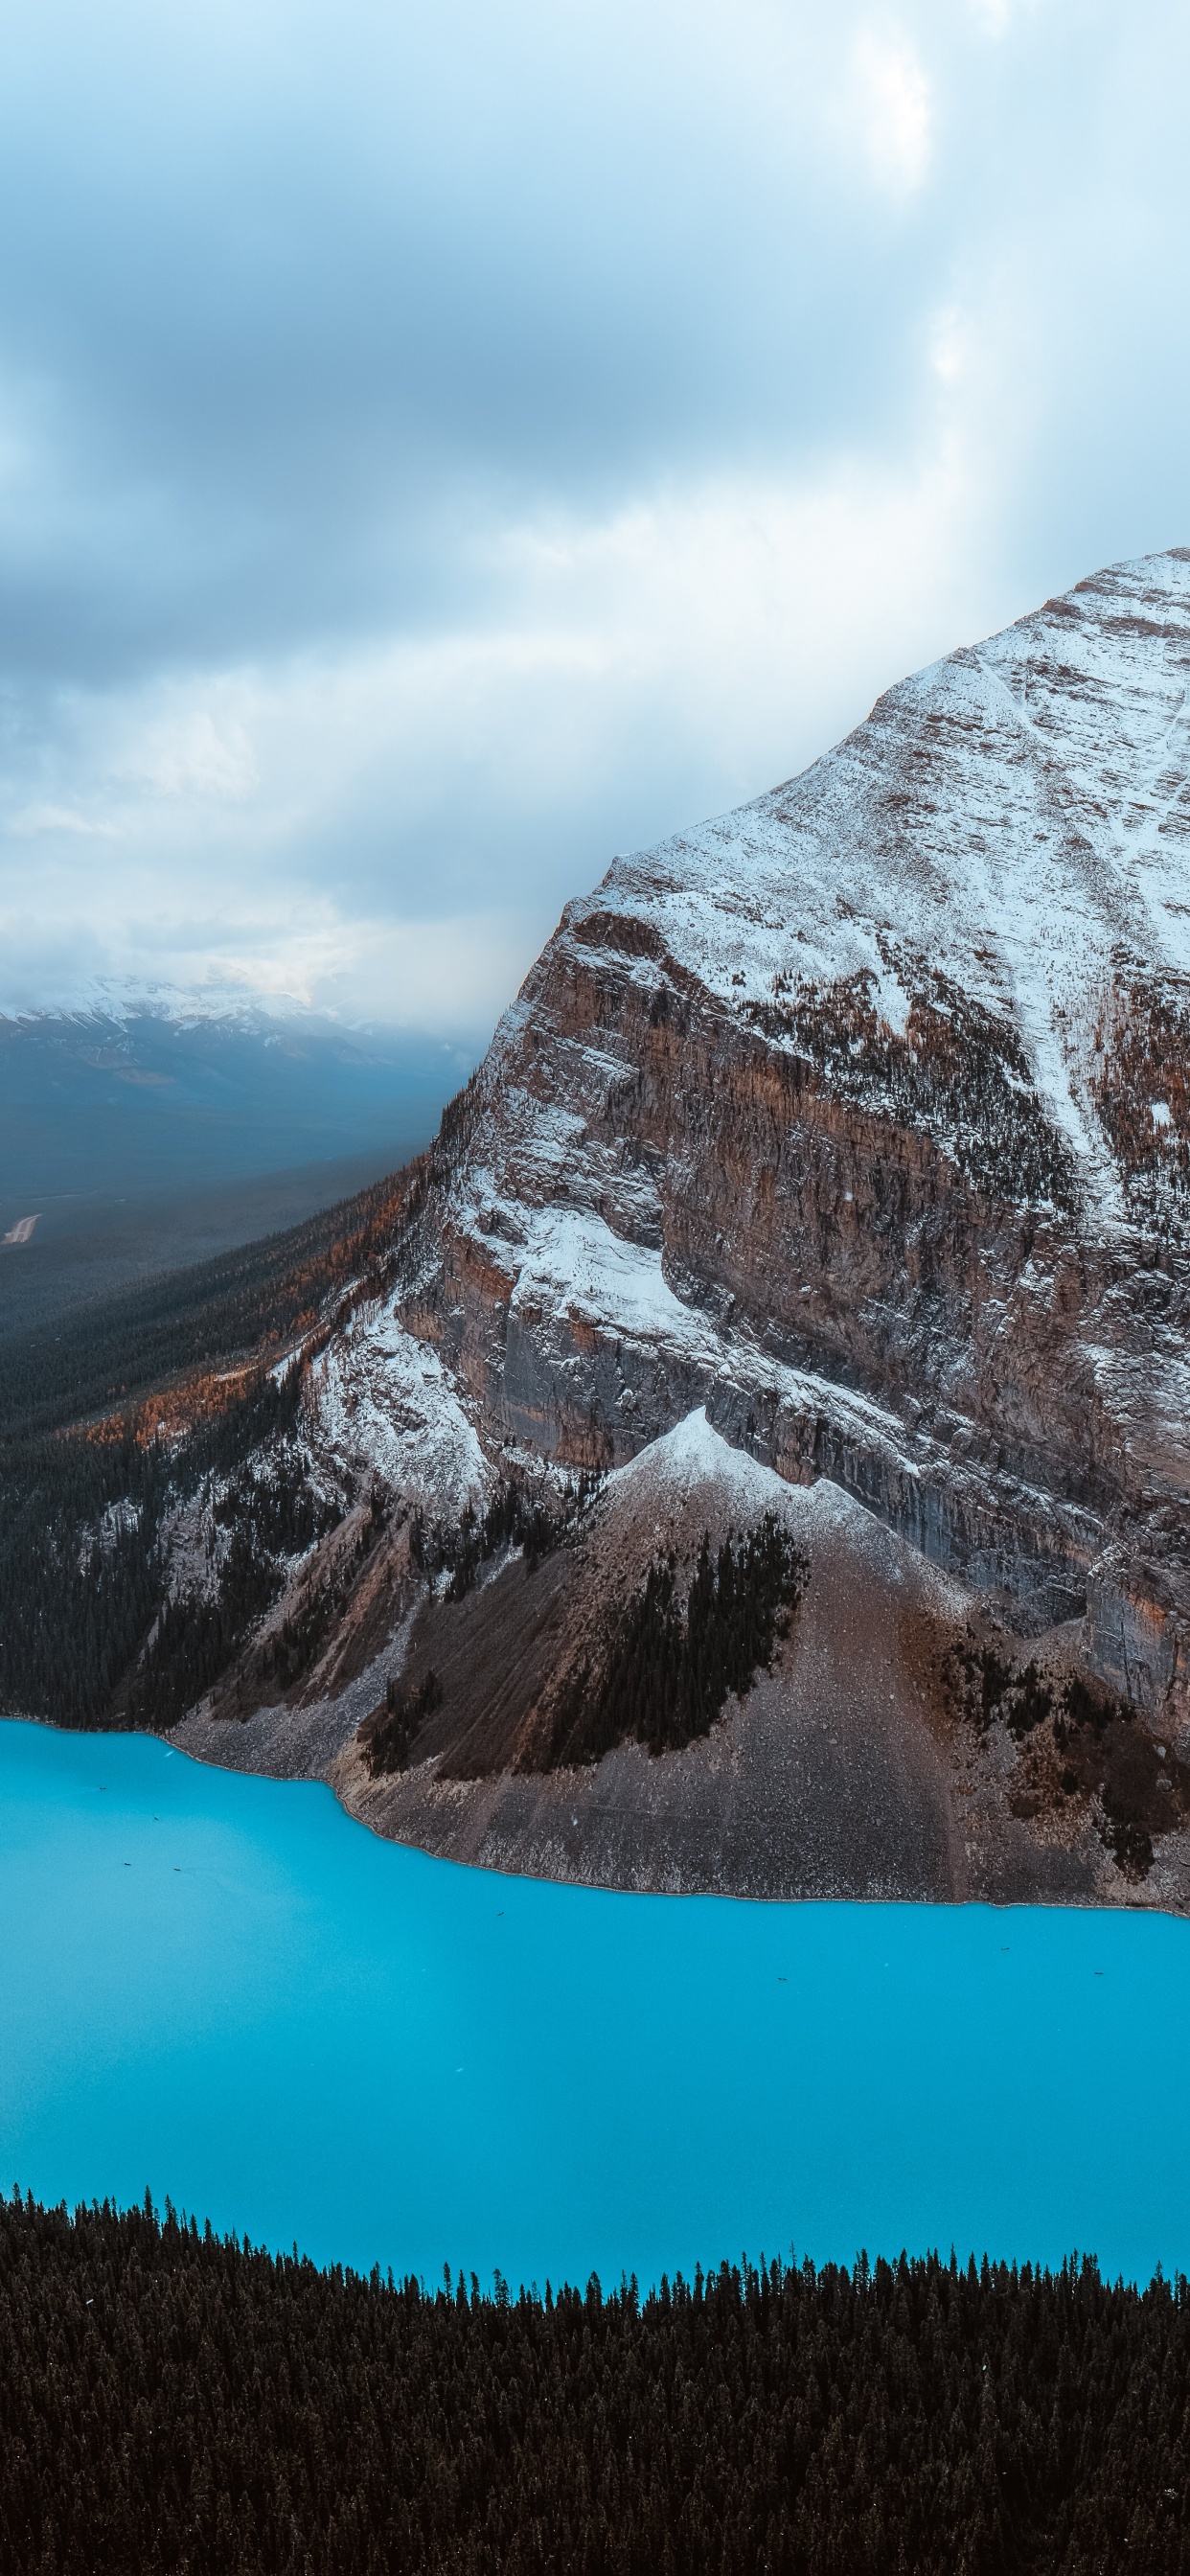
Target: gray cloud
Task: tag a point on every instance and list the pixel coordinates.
(439, 445)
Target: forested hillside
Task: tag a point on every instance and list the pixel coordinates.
(200, 1318)
(171, 2401)
(113, 1419)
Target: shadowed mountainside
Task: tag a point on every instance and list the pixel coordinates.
(853, 1128)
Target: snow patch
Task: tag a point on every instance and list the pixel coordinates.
(383, 1402)
(694, 1454)
(573, 1265)
(1018, 814)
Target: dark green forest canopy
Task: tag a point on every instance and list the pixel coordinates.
(666, 1664)
(78, 1405)
(89, 1475)
(120, 1348)
(176, 2401)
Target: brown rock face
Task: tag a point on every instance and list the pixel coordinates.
(821, 1250)
(860, 1119)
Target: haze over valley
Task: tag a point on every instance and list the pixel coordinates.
(141, 1139)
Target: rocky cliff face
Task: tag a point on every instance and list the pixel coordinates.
(860, 1118)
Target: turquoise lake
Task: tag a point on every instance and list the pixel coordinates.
(223, 1989)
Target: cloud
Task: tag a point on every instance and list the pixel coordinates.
(441, 447)
(401, 824)
(30, 820)
(894, 108)
(194, 753)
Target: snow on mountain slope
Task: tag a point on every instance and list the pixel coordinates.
(859, 1118)
(1015, 818)
(862, 1113)
(387, 1408)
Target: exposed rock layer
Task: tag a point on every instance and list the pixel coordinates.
(860, 1117)
(832, 1115)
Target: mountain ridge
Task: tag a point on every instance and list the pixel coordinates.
(561, 1193)
(855, 1125)
(857, 1117)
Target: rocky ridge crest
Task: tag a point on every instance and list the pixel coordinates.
(858, 1118)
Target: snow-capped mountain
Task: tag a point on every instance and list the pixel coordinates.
(858, 1118)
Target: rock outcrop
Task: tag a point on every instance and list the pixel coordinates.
(860, 1119)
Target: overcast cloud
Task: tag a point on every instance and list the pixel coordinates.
(442, 445)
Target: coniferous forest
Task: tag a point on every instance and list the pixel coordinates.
(665, 1667)
(112, 1419)
(173, 2401)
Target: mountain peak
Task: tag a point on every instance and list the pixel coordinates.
(855, 1126)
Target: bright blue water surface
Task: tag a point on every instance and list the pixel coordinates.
(222, 1988)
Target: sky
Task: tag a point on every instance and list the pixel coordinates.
(445, 445)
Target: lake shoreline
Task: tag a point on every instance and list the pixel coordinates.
(456, 1823)
(232, 1997)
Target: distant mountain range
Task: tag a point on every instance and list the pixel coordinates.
(823, 1197)
(135, 1098)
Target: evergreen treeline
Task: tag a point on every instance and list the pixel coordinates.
(666, 1669)
(114, 1348)
(268, 1519)
(181, 2405)
(289, 1651)
(513, 1518)
(82, 1574)
(109, 1420)
(386, 1737)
